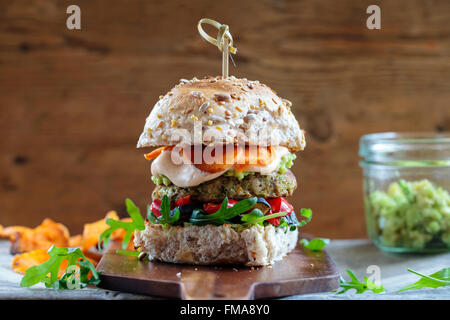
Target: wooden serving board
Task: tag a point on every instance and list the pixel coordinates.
(300, 272)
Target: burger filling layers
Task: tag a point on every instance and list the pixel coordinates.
(206, 192)
(189, 170)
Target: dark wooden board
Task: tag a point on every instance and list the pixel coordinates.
(302, 271)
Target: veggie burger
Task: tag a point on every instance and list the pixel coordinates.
(221, 169)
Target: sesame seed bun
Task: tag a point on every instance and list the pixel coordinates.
(223, 111)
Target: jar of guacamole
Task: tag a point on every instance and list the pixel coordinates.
(407, 190)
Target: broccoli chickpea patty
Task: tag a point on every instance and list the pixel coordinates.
(264, 186)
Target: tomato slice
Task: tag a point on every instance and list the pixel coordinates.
(156, 207)
(211, 207)
(182, 201)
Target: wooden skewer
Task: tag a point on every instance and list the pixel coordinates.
(224, 42)
(225, 57)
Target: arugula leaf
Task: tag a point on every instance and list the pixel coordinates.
(307, 214)
(85, 267)
(241, 207)
(254, 215)
(435, 280)
(165, 208)
(128, 253)
(199, 217)
(283, 223)
(69, 279)
(359, 286)
(316, 244)
(175, 217)
(166, 217)
(129, 227)
(222, 210)
(256, 218)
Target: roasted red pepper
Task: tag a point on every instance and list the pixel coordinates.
(275, 221)
(182, 201)
(279, 204)
(211, 207)
(156, 207)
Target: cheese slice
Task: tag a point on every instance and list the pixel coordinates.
(188, 175)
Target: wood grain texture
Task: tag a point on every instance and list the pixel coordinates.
(73, 103)
(300, 272)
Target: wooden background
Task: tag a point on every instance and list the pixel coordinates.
(73, 103)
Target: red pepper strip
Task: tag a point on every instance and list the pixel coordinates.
(211, 207)
(279, 204)
(156, 207)
(182, 201)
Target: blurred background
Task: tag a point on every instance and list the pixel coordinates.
(73, 102)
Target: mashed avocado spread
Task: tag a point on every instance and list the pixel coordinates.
(411, 215)
(161, 180)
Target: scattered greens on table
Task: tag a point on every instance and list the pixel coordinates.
(73, 278)
(411, 215)
(316, 244)
(359, 286)
(435, 280)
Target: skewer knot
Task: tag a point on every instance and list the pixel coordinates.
(224, 33)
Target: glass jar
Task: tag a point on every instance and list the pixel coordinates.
(406, 190)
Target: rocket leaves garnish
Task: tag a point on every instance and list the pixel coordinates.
(136, 223)
(435, 280)
(307, 214)
(76, 275)
(166, 217)
(128, 253)
(316, 244)
(438, 279)
(359, 286)
(200, 218)
(222, 216)
(255, 214)
(257, 217)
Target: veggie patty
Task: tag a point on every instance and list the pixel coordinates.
(253, 185)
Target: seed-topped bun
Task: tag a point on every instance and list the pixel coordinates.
(223, 111)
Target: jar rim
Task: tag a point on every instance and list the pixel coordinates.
(394, 147)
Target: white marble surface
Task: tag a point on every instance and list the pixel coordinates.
(353, 254)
